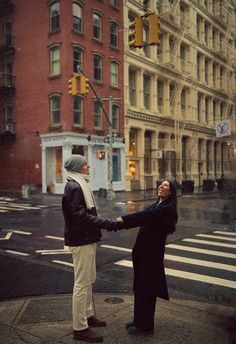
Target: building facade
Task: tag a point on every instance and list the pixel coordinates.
(42, 44)
(180, 95)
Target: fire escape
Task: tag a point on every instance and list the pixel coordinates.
(174, 14)
(7, 79)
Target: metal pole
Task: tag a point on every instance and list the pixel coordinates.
(110, 193)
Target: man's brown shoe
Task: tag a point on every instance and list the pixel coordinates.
(94, 322)
(87, 335)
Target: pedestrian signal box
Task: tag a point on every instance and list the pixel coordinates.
(101, 155)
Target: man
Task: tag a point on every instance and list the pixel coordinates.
(82, 232)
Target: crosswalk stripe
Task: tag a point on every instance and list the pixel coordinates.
(54, 237)
(11, 208)
(124, 249)
(6, 206)
(20, 232)
(186, 260)
(183, 248)
(17, 253)
(225, 233)
(48, 252)
(189, 275)
(211, 243)
(63, 263)
(200, 262)
(201, 250)
(215, 237)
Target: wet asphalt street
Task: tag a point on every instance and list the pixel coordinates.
(33, 260)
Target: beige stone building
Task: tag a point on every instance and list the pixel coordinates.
(180, 96)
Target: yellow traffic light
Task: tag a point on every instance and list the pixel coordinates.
(84, 85)
(154, 37)
(136, 33)
(73, 85)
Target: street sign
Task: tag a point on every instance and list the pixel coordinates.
(159, 154)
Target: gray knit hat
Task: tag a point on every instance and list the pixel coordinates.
(75, 162)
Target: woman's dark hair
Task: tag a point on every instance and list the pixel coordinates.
(173, 198)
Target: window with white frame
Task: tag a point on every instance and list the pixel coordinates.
(183, 100)
(115, 117)
(207, 109)
(146, 91)
(55, 60)
(97, 63)
(55, 104)
(146, 48)
(114, 73)
(114, 31)
(214, 111)
(199, 107)
(207, 70)
(132, 86)
(7, 34)
(78, 111)
(114, 3)
(97, 26)
(97, 115)
(8, 118)
(77, 59)
(54, 16)
(160, 91)
(77, 17)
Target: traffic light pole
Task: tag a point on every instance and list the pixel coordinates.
(110, 192)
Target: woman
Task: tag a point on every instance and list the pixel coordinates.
(156, 221)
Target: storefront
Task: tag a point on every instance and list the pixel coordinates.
(56, 148)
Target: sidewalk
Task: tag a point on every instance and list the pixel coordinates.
(47, 320)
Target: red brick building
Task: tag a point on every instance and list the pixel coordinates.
(41, 45)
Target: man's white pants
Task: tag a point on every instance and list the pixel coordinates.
(84, 259)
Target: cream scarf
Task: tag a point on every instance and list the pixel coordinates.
(83, 181)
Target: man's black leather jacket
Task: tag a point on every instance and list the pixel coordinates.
(82, 225)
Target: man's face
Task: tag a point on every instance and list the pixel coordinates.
(85, 169)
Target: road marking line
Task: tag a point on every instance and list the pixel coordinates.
(206, 242)
(20, 232)
(117, 248)
(63, 263)
(54, 237)
(225, 233)
(18, 205)
(189, 275)
(17, 253)
(7, 236)
(183, 248)
(200, 262)
(215, 237)
(201, 250)
(59, 251)
(10, 208)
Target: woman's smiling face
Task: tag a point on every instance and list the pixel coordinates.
(163, 190)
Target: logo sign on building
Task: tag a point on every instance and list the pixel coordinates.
(223, 128)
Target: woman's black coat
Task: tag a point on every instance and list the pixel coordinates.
(156, 221)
